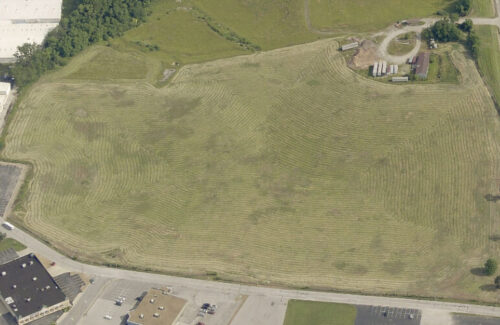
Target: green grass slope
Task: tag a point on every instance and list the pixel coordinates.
(362, 15)
(319, 313)
(180, 36)
(271, 24)
(489, 58)
(283, 166)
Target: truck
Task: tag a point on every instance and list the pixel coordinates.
(8, 225)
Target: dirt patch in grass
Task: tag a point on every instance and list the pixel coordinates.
(402, 44)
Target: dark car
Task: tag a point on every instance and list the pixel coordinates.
(205, 306)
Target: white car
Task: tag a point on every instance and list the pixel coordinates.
(108, 317)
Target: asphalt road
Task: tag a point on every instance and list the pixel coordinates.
(105, 272)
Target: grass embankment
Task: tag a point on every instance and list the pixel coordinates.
(363, 16)
(402, 44)
(327, 178)
(7, 243)
(489, 58)
(319, 313)
(483, 8)
(180, 35)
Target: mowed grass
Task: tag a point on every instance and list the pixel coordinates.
(482, 8)
(441, 68)
(7, 243)
(108, 64)
(282, 167)
(364, 16)
(301, 312)
(489, 58)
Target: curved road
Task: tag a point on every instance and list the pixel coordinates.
(40, 248)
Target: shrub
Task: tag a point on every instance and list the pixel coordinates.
(466, 26)
(462, 7)
(472, 43)
(497, 282)
(490, 267)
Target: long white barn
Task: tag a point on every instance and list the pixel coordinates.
(26, 21)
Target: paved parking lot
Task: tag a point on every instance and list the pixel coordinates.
(380, 315)
(95, 304)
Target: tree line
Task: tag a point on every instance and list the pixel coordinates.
(92, 21)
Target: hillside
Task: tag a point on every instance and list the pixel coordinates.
(282, 167)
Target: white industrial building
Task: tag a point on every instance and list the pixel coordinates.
(26, 21)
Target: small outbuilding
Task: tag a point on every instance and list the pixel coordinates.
(422, 65)
(399, 79)
(375, 68)
(350, 46)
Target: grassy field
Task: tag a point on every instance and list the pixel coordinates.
(482, 8)
(179, 35)
(441, 68)
(319, 313)
(282, 167)
(363, 16)
(402, 44)
(489, 58)
(11, 243)
(271, 24)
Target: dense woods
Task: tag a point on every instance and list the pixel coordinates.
(92, 21)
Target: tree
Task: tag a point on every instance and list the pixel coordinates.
(466, 26)
(490, 267)
(462, 7)
(472, 43)
(454, 17)
(497, 282)
(445, 31)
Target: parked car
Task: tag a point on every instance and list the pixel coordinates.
(205, 305)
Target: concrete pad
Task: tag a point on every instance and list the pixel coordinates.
(259, 310)
(432, 317)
